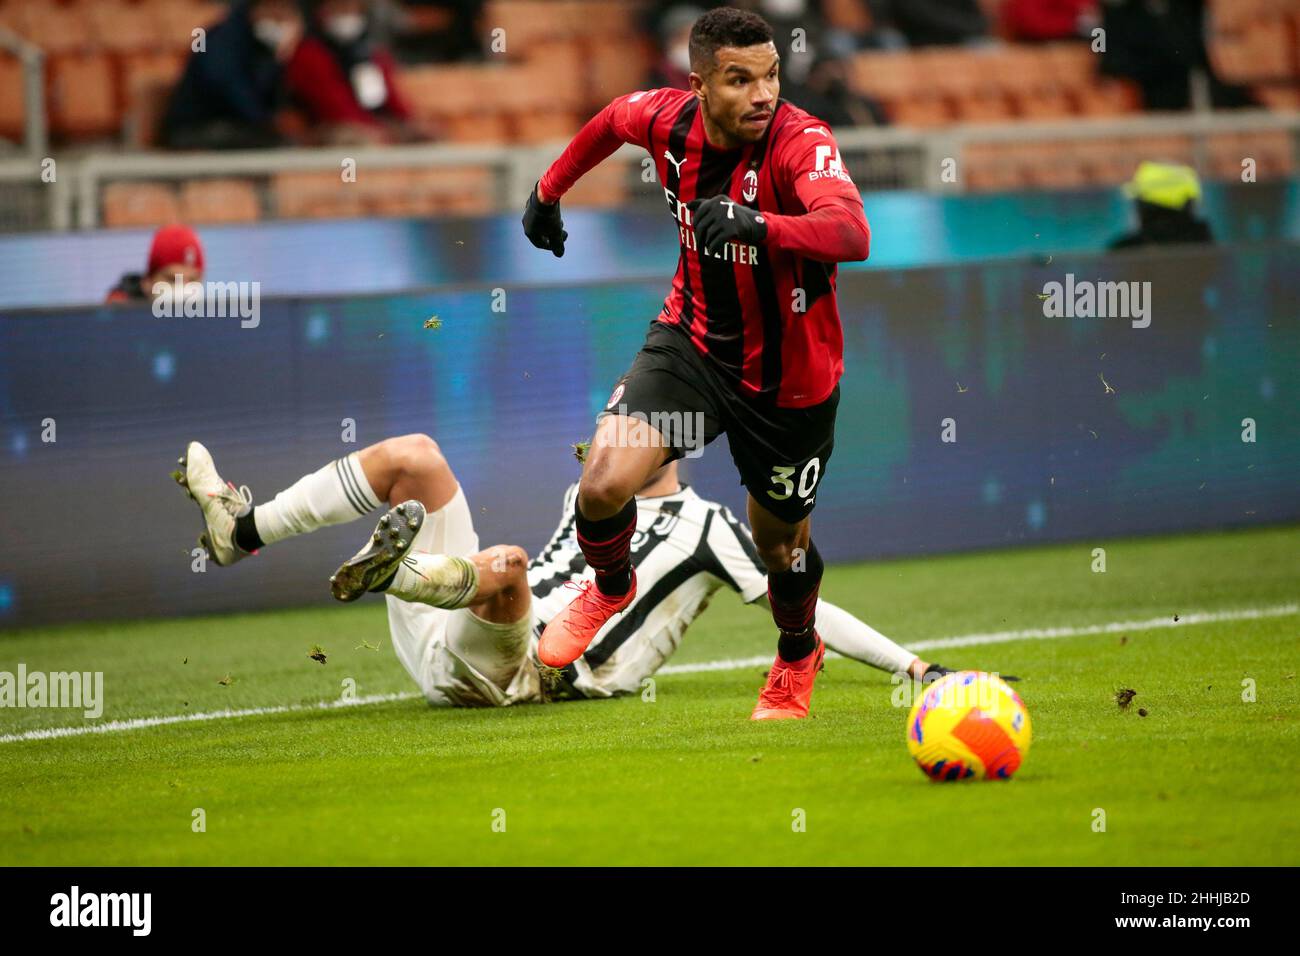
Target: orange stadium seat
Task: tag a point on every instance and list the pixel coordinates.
(1105, 161)
(524, 22)
(1281, 98)
(139, 204)
(602, 19)
(619, 67)
(535, 127)
(1272, 151)
(604, 187)
(1108, 97)
(122, 27)
(316, 195)
(1072, 65)
(478, 128)
(921, 110)
(52, 27)
(12, 109)
(885, 76)
(220, 200)
(80, 96)
(558, 72)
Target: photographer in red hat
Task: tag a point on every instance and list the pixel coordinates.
(175, 251)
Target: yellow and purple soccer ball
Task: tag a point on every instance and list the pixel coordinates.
(968, 725)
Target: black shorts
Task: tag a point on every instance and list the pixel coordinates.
(781, 453)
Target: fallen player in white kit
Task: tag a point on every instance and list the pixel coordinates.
(465, 621)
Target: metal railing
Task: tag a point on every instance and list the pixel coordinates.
(879, 158)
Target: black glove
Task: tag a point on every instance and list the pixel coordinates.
(543, 225)
(718, 220)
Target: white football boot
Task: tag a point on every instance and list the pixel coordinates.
(383, 552)
(220, 502)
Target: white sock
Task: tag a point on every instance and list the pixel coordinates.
(336, 493)
(845, 634)
(437, 579)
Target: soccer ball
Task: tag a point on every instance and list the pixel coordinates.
(968, 724)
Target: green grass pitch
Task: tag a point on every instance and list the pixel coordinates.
(1205, 778)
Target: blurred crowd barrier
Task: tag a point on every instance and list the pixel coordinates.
(910, 228)
(1063, 428)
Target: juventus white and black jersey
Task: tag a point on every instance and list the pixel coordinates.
(684, 549)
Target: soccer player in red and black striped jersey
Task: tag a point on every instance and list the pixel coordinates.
(748, 341)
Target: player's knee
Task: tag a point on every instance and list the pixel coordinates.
(603, 493)
(778, 553)
(417, 454)
(510, 560)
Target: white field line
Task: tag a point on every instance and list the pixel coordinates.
(965, 640)
(1031, 634)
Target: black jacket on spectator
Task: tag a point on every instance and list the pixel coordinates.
(1158, 226)
(1157, 46)
(229, 94)
(934, 22)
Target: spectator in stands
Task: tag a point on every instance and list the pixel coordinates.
(1044, 20)
(826, 94)
(230, 95)
(934, 22)
(175, 251)
(346, 81)
(674, 67)
(439, 31)
(1165, 196)
(1159, 44)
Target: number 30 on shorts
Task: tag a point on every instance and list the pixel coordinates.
(782, 475)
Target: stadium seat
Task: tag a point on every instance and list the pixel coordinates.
(481, 128)
(1108, 97)
(122, 27)
(617, 67)
(555, 77)
(525, 23)
(12, 109)
(533, 127)
(205, 201)
(885, 76)
(315, 195)
(80, 96)
(52, 27)
(139, 204)
(605, 187)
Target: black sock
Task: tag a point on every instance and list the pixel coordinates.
(793, 596)
(246, 537)
(607, 545)
(794, 646)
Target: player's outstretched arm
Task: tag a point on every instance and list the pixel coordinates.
(622, 121)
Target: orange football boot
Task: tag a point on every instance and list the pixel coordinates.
(573, 629)
(789, 687)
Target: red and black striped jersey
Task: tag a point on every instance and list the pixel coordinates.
(765, 314)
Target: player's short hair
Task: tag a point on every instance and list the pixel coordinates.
(725, 26)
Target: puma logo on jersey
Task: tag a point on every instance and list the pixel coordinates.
(676, 165)
(817, 129)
